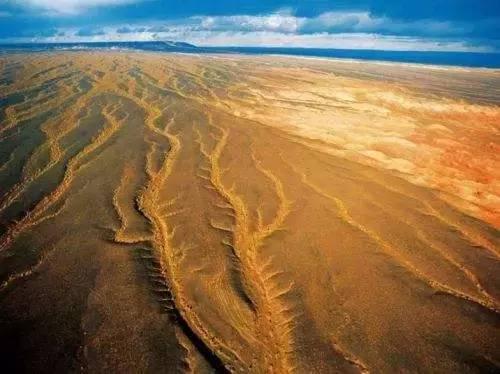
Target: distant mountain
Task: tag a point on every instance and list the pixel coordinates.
(163, 45)
(178, 44)
(150, 45)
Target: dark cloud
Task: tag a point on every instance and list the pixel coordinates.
(48, 33)
(159, 29)
(444, 10)
(45, 33)
(89, 32)
(124, 30)
(128, 30)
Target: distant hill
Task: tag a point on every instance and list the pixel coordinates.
(153, 45)
(163, 45)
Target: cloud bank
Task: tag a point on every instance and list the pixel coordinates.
(331, 22)
(333, 29)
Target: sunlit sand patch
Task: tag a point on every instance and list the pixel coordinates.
(443, 143)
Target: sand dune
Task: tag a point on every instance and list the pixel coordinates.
(165, 213)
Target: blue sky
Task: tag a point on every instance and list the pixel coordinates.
(437, 25)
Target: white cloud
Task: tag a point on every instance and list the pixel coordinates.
(69, 7)
(282, 21)
(333, 22)
(324, 40)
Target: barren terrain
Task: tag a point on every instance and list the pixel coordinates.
(183, 213)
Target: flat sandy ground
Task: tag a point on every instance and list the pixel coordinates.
(182, 213)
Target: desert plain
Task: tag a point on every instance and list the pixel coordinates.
(224, 213)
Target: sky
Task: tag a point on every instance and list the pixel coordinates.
(423, 25)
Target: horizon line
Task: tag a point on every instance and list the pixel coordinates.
(23, 42)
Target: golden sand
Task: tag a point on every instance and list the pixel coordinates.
(165, 213)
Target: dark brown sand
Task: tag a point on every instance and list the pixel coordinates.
(175, 213)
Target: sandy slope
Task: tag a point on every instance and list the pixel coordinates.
(165, 213)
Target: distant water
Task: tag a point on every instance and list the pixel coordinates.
(485, 60)
(464, 59)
